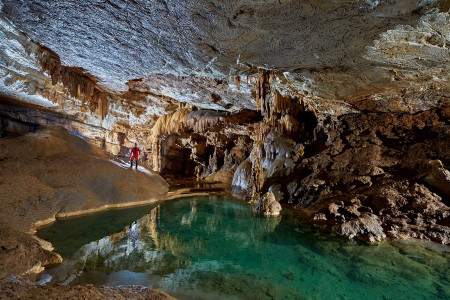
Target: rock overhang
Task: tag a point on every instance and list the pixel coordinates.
(357, 51)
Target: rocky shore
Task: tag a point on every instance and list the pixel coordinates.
(13, 287)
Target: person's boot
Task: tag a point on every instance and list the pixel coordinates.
(131, 164)
(136, 164)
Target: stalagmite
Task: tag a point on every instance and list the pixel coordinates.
(212, 164)
(228, 160)
(257, 175)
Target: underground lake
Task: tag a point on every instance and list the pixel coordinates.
(216, 248)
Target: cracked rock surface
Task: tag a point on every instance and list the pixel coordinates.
(354, 50)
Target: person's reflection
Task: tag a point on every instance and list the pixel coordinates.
(133, 234)
(188, 218)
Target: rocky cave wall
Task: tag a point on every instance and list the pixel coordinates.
(34, 77)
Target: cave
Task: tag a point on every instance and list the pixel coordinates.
(225, 149)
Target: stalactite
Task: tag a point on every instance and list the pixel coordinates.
(182, 120)
(50, 62)
(281, 104)
(165, 125)
(78, 83)
(170, 123)
(237, 79)
(289, 124)
(268, 99)
(261, 91)
(200, 121)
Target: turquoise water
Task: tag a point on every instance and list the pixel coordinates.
(216, 248)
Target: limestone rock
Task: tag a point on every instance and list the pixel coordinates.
(14, 287)
(242, 178)
(268, 205)
(57, 173)
(439, 177)
(22, 254)
(277, 191)
(367, 226)
(346, 52)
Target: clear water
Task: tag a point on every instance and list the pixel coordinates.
(215, 247)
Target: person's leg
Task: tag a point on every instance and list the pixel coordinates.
(131, 161)
(136, 163)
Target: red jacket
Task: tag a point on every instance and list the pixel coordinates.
(135, 153)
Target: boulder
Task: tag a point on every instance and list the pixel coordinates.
(366, 227)
(268, 205)
(438, 177)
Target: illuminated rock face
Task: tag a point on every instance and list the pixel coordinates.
(337, 107)
(268, 205)
(342, 50)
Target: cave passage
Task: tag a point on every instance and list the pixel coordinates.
(328, 120)
(217, 248)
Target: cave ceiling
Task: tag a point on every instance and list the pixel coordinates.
(352, 52)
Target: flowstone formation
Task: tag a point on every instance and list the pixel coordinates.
(48, 174)
(339, 109)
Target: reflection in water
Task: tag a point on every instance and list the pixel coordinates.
(214, 247)
(133, 234)
(188, 217)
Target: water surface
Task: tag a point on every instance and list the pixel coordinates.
(215, 247)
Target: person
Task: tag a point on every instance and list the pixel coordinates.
(135, 151)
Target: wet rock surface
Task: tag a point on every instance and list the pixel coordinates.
(365, 225)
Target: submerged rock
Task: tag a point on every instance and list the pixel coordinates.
(268, 205)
